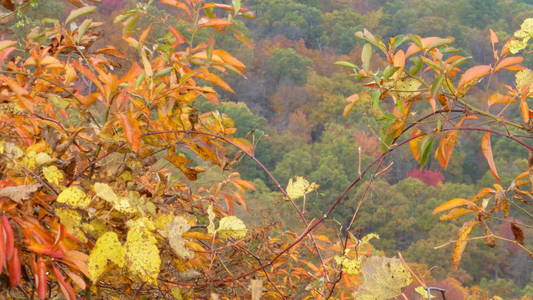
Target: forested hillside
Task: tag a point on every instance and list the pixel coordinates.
(147, 123)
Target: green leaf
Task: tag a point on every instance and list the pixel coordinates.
(418, 64)
(426, 147)
(80, 12)
(366, 55)
(345, 64)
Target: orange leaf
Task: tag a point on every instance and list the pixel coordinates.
(452, 204)
(215, 79)
(177, 4)
(399, 59)
(474, 73)
(524, 109)
(413, 144)
(508, 61)
(216, 23)
(230, 60)
(486, 148)
(461, 243)
(500, 99)
(132, 130)
(179, 38)
(445, 149)
(87, 73)
(2, 248)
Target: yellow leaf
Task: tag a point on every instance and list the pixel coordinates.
(142, 254)
(456, 202)
(231, 227)
(349, 265)
(299, 187)
(53, 174)
(455, 213)
(461, 243)
(74, 196)
(121, 204)
(176, 229)
(107, 248)
(211, 217)
(384, 278)
(497, 98)
(72, 220)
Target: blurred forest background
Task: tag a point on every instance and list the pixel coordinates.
(292, 100)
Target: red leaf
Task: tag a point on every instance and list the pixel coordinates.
(66, 288)
(474, 73)
(486, 148)
(14, 268)
(132, 130)
(9, 236)
(42, 285)
(3, 254)
(508, 61)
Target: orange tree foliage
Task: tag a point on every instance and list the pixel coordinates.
(87, 208)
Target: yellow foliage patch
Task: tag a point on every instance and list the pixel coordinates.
(53, 174)
(74, 196)
(231, 227)
(107, 248)
(142, 254)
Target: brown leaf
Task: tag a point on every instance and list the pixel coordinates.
(486, 148)
(8, 4)
(20, 192)
(131, 129)
(461, 243)
(518, 233)
(474, 73)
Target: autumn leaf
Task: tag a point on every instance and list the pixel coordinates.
(497, 98)
(508, 61)
(299, 187)
(132, 130)
(517, 233)
(473, 74)
(176, 228)
(121, 204)
(107, 249)
(74, 196)
(53, 175)
(384, 278)
(19, 193)
(486, 148)
(142, 255)
(80, 12)
(6, 44)
(451, 204)
(461, 243)
(231, 227)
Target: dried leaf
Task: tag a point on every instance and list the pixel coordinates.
(20, 192)
(211, 217)
(107, 248)
(384, 278)
(121, 204)
(486, 148)
(176, 229)
(256, 287)
(517, 233)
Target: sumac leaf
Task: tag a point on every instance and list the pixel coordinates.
(486, 148)
(42, 285)
(9, 237)
(14, 268)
